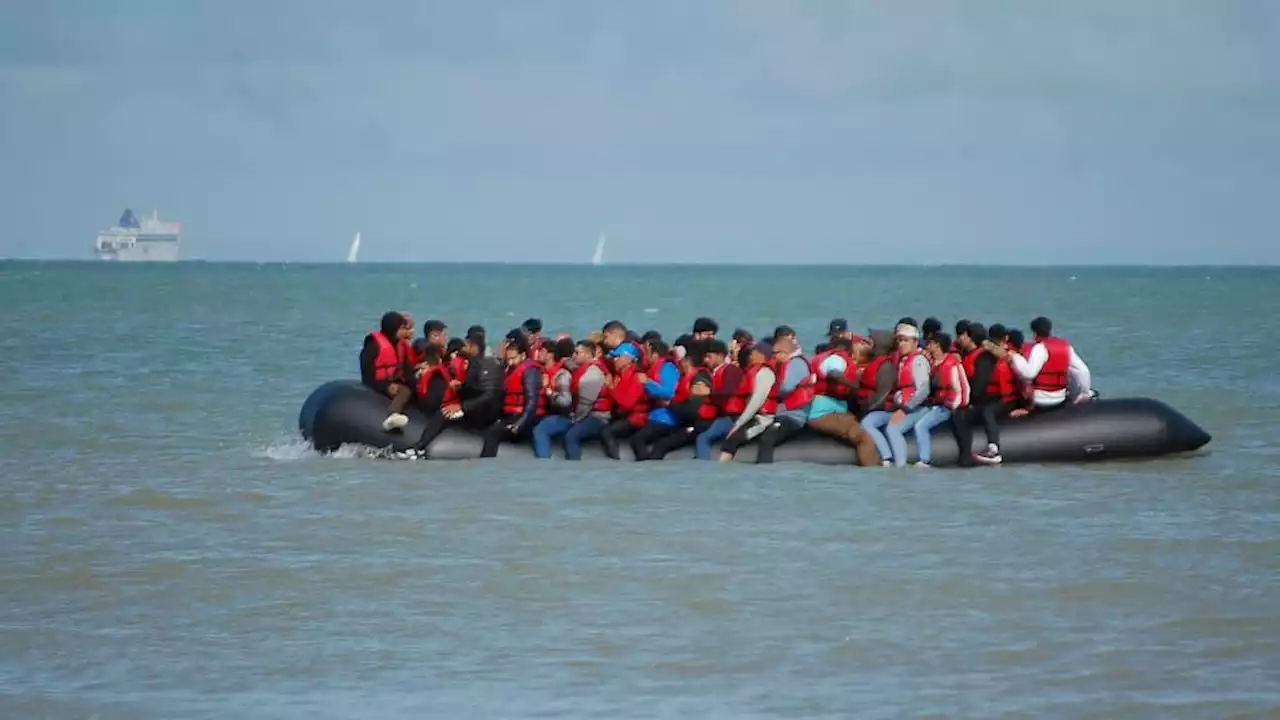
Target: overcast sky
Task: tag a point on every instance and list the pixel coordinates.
(1133, 131)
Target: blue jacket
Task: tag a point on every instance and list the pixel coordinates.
(663, 389)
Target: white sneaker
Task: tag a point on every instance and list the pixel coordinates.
(395, 421)
(886, 463)
(991, 456)
(922, 464)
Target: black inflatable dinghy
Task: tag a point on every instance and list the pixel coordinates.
(346, 412)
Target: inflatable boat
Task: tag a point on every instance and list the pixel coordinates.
(345, 412)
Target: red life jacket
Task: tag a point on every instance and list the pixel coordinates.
(906, 382)
(969, 360)
(944, 394)
(770, 405)
(801, 394)
(548, 380)
(867, 385)
(684, 388)
(1053, 374)
(602, 404)
(654, 373)
(1001, 384)
(388, 366)
(513, 390)
(730, 406)
(458, 367)
(628, 399)
(827, 387)
(450, 396)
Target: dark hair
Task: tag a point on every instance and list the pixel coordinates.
(455, 344)
(716, 346)
(519, 342)
(659, 348)
(696, 355)
(823, 347)
(977, 333)
(743, 336)
(943, 340)
(705, 324)
(841, 343)
(744, 354)
(431, 326)
(564, 349)
(909, 321)
(532, 325)
(962, 327)
(587, 344)
(998, 333)
(1015, 338)
(683, 341)
(476, 329)
(931, 327)
(392, 321)
(431, 354)
(650, 335)
(1042, 327)
(613, 325)
(783, 331)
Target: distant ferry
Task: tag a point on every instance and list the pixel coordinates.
(131, 241)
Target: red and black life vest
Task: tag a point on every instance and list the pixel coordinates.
(732, 405)
(389, 364)
(867, 384)
(905, 384)
(801, 395)
(1001, 385)
(770, 405)
(458, 367)
(684, 388)
(602, 404)
(513, 389)
(450, 396)
(969, 362)
(1053, 374)
(628, 399)
(827, 387)
(945, 394)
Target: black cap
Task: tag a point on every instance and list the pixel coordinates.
(705, 324)
(532, 325)
(517, 333)
(838, 325)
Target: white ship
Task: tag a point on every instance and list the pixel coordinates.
(130, 241)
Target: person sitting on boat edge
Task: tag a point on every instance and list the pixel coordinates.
(591, 397)
(629, 406)
(793, 393)
(384, 366)
(726, 402)
(1053, 369)
(480, 396)
(523, 401)
(950, 394)
(660, 382)
(836, 371)
(906, 405)
(559, 363)
(691, 404)
(758, 380)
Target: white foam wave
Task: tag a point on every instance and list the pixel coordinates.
(298, 449)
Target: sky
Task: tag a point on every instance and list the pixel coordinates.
(758, 131)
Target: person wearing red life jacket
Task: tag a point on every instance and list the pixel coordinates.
(906, 404)
(385, 368)
(660, 380)
(561, 364)
(434, 393)
(629, 406)
(692, 405)
(1051, 367)
(593, 406)
(758, 379)
(522, 398)
(992, 393)
(726, 402)
(879, 377)
(793, 392)
(837, 373)
(949, 393)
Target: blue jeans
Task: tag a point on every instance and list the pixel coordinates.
(871, 424)
(550, 427)
(717, 431)
(585, 429)
(891, 443)
(924, 427)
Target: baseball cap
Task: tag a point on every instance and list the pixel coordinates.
(838, 325)
(625, 349)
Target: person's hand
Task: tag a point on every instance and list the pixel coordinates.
(700, 390)
(642, 378)
(513, 429)
(393, 389)
(1019, 412)
(455, 384)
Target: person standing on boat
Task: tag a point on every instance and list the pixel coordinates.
(385, 367)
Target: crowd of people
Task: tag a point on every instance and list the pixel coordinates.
(699, 389)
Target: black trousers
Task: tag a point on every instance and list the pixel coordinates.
(780, 431)
(989, 414)
(646, 440)
(498, 433)
(618, 427)
(675, 440)
(435, 425)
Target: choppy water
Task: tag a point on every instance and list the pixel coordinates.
(171, 550)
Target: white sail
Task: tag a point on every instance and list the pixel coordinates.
(354, 250)
(598, 257)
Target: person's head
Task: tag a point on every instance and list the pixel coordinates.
(563, 336)
(1016, 339)
(784, 340)
(962, 331)
(861, 353)
(963, 340)
(937, 346)
(656, 350)
(649, 335)
(474, 344)
(932, 326)
(532, 327)
(596, 337)
(392, 323)
(758, 354)
(975, 337)
(680, 347)
(839, 327)
(716, 353)
(623, 356)
(909, 321)
(512, 335)
(453, 346)
(436, 333)
(517, 349)
(842, 344)
(704, 328)
(906, 337)
(563, 349)
(476, 329)
(997, 334)
(431, 355)
(540, 352)
(613, 334)
(584, 351)
(407, 328)
(740, 339)
(1041, 327)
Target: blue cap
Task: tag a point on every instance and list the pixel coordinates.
(627, 349)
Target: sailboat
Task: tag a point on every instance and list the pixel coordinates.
(354, 250)
(598, 257)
